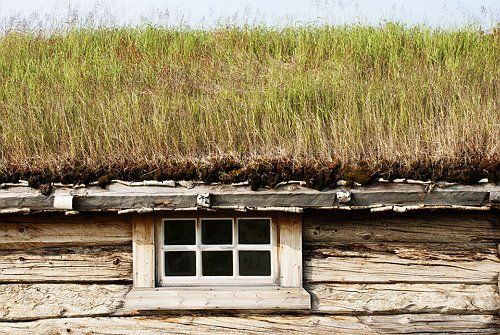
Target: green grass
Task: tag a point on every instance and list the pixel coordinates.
(389, 94)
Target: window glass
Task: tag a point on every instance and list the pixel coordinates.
(255, 263)
(217, 263)
(180, 232)
(254, 231)
(217, 231)
(198, 249)
(180, 263)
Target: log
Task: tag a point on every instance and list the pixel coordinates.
(82, 231)
(451, 227)
(61, 218)
(433, 324)
(200, 325)
(42, 301)
(358, 263)
(258, 324)
(401, 298)
(401, 262)
(78, 264)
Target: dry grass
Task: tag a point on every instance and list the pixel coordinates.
(100, 97)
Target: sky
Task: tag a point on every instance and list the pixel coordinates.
(204, 13)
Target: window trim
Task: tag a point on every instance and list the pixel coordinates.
(199, 280)
(287, 294)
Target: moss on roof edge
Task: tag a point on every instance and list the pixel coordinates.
(317, 174)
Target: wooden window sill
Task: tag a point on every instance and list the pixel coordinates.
(218, 298)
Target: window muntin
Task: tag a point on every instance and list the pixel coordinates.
(217, 252)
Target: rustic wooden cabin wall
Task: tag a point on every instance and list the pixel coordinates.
(424, 272)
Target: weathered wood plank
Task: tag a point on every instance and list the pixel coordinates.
(80, 232)
(200, 325)
(219, 298)
(117, 196)
(143, 246)
(42, 301)
(39, 301)
(363, 263)
(401, 262)
(451, 227)
(92, 264)
(61, 218)
(258, 324)
(290, 244)
(401, 298)
(433, 324)
(120, 196)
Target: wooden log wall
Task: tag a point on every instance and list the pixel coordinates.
(419, 273)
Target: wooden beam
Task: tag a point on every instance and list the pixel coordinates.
(401, 298)
(121, 197)
(290, 249)
(64, 264)
(43, 301)
(21, 235)
(450, 227)
(256, 324)
(218, 298)
(433, 324)
(401, 262)
(143, 246)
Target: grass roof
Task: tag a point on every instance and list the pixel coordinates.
(240, 103)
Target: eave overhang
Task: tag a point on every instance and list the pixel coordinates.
(151, 196)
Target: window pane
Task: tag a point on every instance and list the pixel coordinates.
(254, 231)
(217, 231)
(255, 263)
(177, 232)
(217, 263)
(180, 263)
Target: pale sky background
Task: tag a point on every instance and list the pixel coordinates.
(199, 13)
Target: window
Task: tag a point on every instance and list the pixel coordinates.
(212, 251)
(204, 260)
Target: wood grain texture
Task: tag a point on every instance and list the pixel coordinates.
(118, 197)
(433, 324)
(61, 218)
(427, 227)
(218, 298)
(200, 325)
(403, 298)
(42, 301)
(401, 262)
(78, 264)
(47, 231)
(259, 324)
(360, 267)
(290, 246)
(143, 246)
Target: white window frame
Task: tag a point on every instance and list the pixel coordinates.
(284, 293)
(198, 247)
